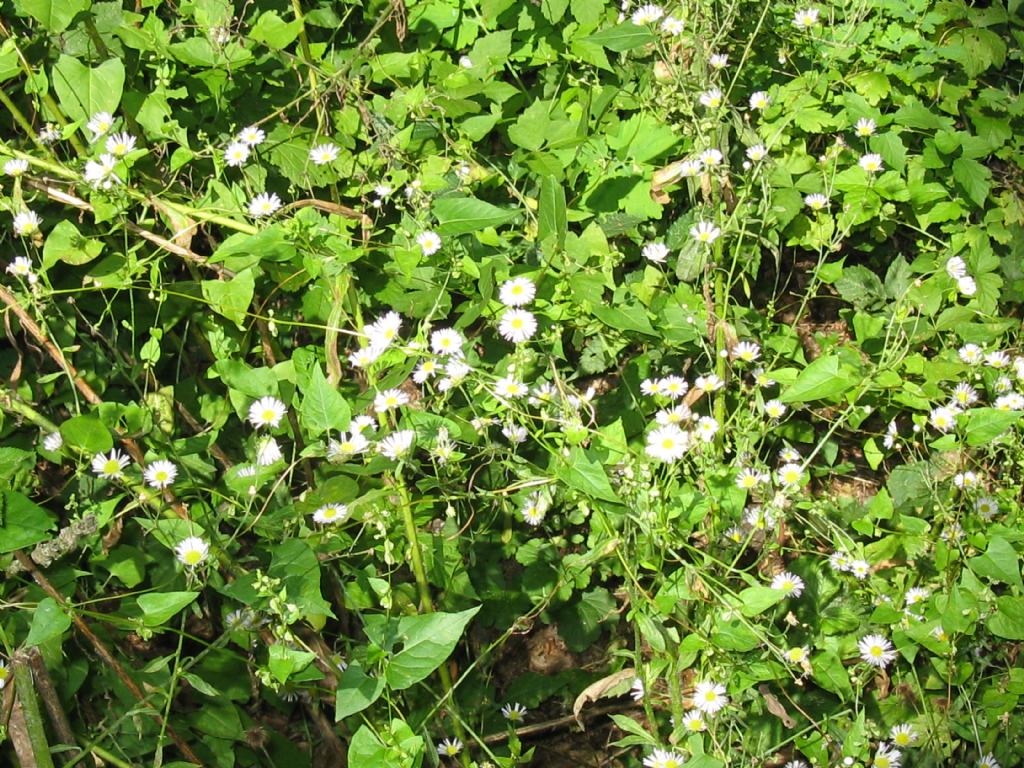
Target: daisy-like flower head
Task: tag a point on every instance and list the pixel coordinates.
(865, 127)
(971, 354)
(53, 442)
(389, 400)
(762, 379)
(709, 697)
(967, 286)
(694, 722)
(707, 428)
(661, 758)
(637, 691)
(915, 595)
(790, 475)
(711, 157)
(965, 480)
(705, 232)
(120, 144)
(860, 569)
(456, 370)
(517, 292)
(160, 473)
(747, 351)
(673, 26)
(690, 168)
(789, 455)
(749, 478)
(365, 356)
(267, 412)
(871, 162)
(22, 267)
(797, 655)
(331, 513)
(718, 60)
(510, 388)
(446, 341)
(988, 761)
(673, 387)
(816, 202)
(4, 674)
(397, 444)
(877, 651)
(235, 154)
(956, 267)
(760, 100)
(774, 409)
(192, 551)
(49, 134)
(110, 466)
(383, 330)
(943, 418)
(515, 433)
(264, 204)
(903, 735)
(647, 14)
(656, 252)
(1011, 402)
(425, 370)
(99, 124)
(534, 509)
(887, 757)
(789, 583)
(986, 507)
(708, 383)
(517, 325)
(429, 242)
(26, 223)
(677, 414)
(252, 135)
(347, 446)
(268, 451)
(449, 748)
(323, 154)
(100, 173)
(711, 98)
(15, 167)
(514, 712)
(840, 561)
(964, 395)
(756, 153)
(667, 443)
(806, 18)
(997, 359)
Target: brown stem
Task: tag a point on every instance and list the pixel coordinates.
(48, 693)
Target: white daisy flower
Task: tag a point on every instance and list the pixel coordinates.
(429, 242)
(160, 473)
(365, 356)
(323, 154)
(656, 252)
(997, 359)
(389, 400)
(251, 135)
(865, 127)
(425, 370)
(383, 330)
(397, 444)
(678, 414)
(192, 551)
(53, 442)
(673, 387)
(16, 167)
(956, 267)
(789, 583)
(876, 650)
(517, 325)
(887, 757)
(636, 691)
(749, 478)
(915, 595)
(943, 418)
(964, 395)
(860, 569)
(747, 351)
(757, 153)
(986, 507)
(517, 292)
(903, 735)
(816, 201)
(26, 223)
(690, 168)
(235, 154)
(718, 61)
(673, 26)
(100, 173)
(331, 513)
(712, 98)
(661, 758)
(99, 124)
(797, 655)
(971, 354)
(449, 748)
(21, 267)
(534, 509)
(760, 100)
(711, 157)
(774, 409)
(446, 341)
(5, 673)
(988, 761)
(667, 443)
(707, 428)
(871, 162)
(514, 712)
(708, 383)
(790, 475)
(267, 412)
(268, 451)
(110, 466)
(120, 144)
(693, 722)
(709, 697)
(507, 387)
(705, 232)
(264, 204)
(647, 14)
(806, 18)
(347, 446)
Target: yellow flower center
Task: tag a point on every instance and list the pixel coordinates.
(111, 467)
(269, 415)
(192, 557)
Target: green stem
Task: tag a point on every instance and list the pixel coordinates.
(21, 120)
(675, 692)
(26, 693)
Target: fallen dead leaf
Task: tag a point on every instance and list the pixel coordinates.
(601, 688)
(775, 706)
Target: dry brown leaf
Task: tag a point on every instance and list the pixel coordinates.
(598, 690)
(775, 706)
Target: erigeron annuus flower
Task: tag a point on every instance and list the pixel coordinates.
(331, 513)
(805, 18)
(1011, 402)
(865, 127)
(508, 387)
(656, 252)
(110, 466)
(235, 154)
(26, 223)
(797, 655)
(971, 354)
(22, 267)
(16, 166)
(534, 508)
(986, 507)
(100, 173)
(397, 444)
(840, 561)
(673, 387)
(517, 325)
(674, 415)
(513, 712)
(264, 204)
(816, 201)
(988, 761)
(120, 144)
(871, 162)
(515, 433)
(160, 473)
(661, 758)
(693, 722)
(673, 26)
(760, 100)
(667, 443)
(747, 351)
(790, 475)
(789, 583)
(425, 370)
(689, 168)
(383, 330)
(709, 697)
(997, 359)
(446, 341)
(252, 135)
(347, 446)
(99, 124)
(192, 551)
(708, 383)
(712, 98)
(876, 650)
(429, 242)
(449, 748)
(964, 395)
(517, 292)
(365, 356)
(267, 412)
(651, 387)
(389, 399)
(915, 595)
(4, 674)
(711, 157)
(965, 480)
(757, 153)
(762, 379)
(774, 409)
(323, 154)
(53, 442)
(748, 479)
(860, 569)
(707, 428)
(705, 232)
(943, 418)
(887, 757)
(647, 14)
(268, 451)
(903, 735)
(718, 60)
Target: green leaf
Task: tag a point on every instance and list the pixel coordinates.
(65, 243)
(54, 15)
(427, 641)
(581, 622)
(283, 662)
(459, 215)
(49, 621)
(277, 33)
(1008, 620)
(366, 749)
(323, 407)
(87, 433)
(295, 564)
(831, 675)
(625, 317)
(22, 522)
(581, 472)
(231, 298)
(158, 607)
(973, 178)
(983, 425)
(757, 600)
(356, 691)
(83, 91)
(999, 563)
(823, 378)
(551, 218)
(860, 286)
(553, 10)
(622, 37)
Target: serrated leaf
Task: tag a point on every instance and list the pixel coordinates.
(973, 178)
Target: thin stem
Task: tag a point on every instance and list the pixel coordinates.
(21, 120)
(26, 693)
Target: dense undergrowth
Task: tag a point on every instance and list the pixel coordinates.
(386, 381)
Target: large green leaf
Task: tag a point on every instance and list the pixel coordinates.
(831, 675)
(623, 37)
(231, 298)
(158, 607)
(983, 425)
(22, 522)
(1008, 620)
(54, 15)
(1000, 562)
(973, 178)
(356, 691)
(551, 218)
(83, 91)
(323, 407)
(581, 472)
(459, 215)
(823, 378)
(48, 622)
(426, 642)
(65, 243)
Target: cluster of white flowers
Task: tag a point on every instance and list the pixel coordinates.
(516, 324)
